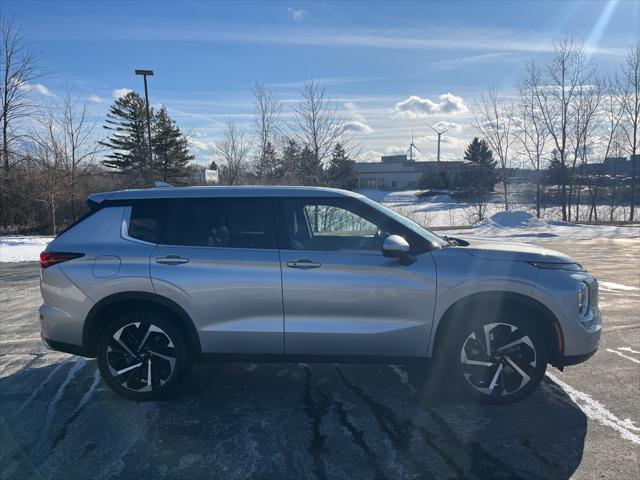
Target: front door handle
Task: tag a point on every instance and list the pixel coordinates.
(303, 264)
(172, 260)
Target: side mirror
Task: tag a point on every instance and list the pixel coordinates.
(395, 246)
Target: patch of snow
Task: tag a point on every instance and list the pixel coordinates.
(616, 286)
(517, 225)
(513, 220)
(22, 249)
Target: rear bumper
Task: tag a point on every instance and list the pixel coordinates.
(64, 347)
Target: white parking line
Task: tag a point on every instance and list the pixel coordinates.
(19, 340)
(627, 349)
(634, 360)
(619, 327)
(596, 411)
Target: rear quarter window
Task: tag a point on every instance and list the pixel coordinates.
(148, 219)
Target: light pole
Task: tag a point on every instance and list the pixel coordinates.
(145, 74)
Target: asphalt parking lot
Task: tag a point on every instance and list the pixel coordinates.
(58, 420)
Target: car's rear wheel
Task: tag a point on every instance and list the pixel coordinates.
(143, 356)
(496, 361)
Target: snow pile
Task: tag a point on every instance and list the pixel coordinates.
(524, 225)
(513, 220)
(22, 249)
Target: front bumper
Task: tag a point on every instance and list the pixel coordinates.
(568, 360)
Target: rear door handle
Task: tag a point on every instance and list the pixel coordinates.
(303, 264)
(172, 260)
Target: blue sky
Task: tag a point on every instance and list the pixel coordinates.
(391, 67)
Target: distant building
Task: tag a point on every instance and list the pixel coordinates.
(206, 176)
(397, 172)
(612, 166)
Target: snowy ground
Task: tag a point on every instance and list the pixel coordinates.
(336, 421)
(520, 224)
(524, 226)
(436, 211)
(22, 249)
(444, 211)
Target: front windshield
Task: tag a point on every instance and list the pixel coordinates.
(410, 224)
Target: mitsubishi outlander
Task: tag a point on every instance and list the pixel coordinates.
(152, 280)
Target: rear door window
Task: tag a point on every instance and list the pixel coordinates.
(225, 223)
(148, 219)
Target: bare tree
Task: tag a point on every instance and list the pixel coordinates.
(317, 124)
(79, 145)
(495, 119)
(234, 149)
(607, 124)
(532, 132)
(48, 165)
(584, 123)
(629, 92)
(19, 66)
(556, 96)
(266, 125)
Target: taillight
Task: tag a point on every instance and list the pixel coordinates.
(51, 258)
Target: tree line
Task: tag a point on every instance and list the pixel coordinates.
(563, 118)
(54, 154)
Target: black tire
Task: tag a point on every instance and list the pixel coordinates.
(504, 375)
(150, 342)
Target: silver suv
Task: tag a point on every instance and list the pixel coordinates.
(150, 281)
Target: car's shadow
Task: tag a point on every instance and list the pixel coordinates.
(278, 421)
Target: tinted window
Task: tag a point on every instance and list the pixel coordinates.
(148, 219)
(225, 222)
(334, 225)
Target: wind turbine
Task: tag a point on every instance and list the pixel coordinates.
(439, 135)
(412, 146)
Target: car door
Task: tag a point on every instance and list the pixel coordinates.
(219, 261)
(341, 296)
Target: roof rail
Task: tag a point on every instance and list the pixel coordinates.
(159, 184)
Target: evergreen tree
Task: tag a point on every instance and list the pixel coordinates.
(478, 175)
(310, 168)
(340, 173)
(435, 179)
(126, 122)
(269, 169)
(291, 162)
(170, 152)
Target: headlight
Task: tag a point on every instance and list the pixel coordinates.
(583, 299)
(572, 267)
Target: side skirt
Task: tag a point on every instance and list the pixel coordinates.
(276, 358)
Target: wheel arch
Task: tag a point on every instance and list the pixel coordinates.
(114, 305)
(502, 302)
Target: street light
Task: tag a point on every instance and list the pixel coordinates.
(145, 74)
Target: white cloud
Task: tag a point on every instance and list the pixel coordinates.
(471, 60)
(357, 127)
(297, 13)
(357, 122)
(37, 88)
(199, 145)
(416, 107)
(121, 92)
(93, 98)
(444, 125)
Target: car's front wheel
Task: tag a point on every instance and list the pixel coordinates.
(496, 361)
(143, 356)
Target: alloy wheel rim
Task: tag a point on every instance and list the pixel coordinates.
(141, 356)
(498, 359)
